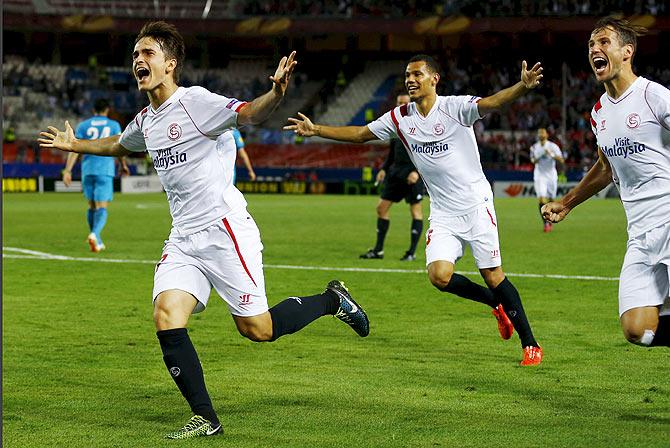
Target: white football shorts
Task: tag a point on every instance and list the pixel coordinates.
(645, 274)
(447, 237)
(227, 255)
(545, 186)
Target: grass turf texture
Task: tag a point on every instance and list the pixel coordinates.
(82, 366)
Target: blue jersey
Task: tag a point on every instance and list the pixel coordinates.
(97, 127)
(239, 141)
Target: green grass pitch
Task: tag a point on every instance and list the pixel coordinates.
(82, 366)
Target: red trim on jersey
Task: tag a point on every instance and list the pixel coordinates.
(403, 110)
(237, 249)
(597, 107)
(397, 128)
(593, 123)
(491, 216)
(242, 104)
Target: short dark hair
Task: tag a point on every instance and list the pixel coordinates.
(100, 105)
(170, 41)
(627, 32)
(431, 63)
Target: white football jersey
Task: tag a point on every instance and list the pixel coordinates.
(633, 132)
(444, 150)
(545, 164)
(195, 170)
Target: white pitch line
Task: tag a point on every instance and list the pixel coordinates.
(36, 255)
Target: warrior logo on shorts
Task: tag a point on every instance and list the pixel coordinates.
(175, 371)
(428, 235)
(245, 299)
(633, 121)
(174, 131)
(438, 129)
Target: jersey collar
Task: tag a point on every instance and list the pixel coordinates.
(172, 99)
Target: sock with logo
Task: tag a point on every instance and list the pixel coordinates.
(382, 228)
(90, 217)
(100, 219)
(662, 334)
(507, 294)
(464, 287)
(295, 313)
(417, 228)
(184, 367)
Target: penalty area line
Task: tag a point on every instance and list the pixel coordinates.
(26, 254)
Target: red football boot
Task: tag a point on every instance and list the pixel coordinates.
(505, 326)
(532, 356)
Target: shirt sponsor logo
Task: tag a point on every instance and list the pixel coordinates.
(166, 159)
(623, 147)
(174, 131)
(430, 148)
(438, 129)
(633, 121)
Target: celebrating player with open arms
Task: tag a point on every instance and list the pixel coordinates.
(214, 241)
(631, 121)
(438, 136)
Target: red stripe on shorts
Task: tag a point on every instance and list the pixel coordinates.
(491, 216)
(237, 249)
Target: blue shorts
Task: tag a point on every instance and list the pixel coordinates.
(98, 188)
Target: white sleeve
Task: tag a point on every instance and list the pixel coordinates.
(383, 127)
(463, 108)
(658, 99)
(556, 150)
(212, 114)
(132, 138)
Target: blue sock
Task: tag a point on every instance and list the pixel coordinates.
(100, 219)
(90, 217)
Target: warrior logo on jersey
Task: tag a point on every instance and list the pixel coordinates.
(633, 121)
(174, 131)
(438, 129)
(602, 125)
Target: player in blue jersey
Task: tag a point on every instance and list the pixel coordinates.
(97, 172)
(239, 144)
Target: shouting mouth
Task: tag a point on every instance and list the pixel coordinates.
(142, 74)
(599, 64)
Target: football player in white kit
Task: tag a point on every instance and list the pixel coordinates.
(544, 154)
(438, 136)
(631, 121)
(213, 241)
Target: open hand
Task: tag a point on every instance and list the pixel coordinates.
(53, 138)
(531, 78)
(302, 126)
(283, 73)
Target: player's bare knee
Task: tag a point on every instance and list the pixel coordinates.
(256, 333)
(638, 335)
(440, 278)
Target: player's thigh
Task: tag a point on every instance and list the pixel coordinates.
(172, 309)
(88, 187)
(540, 184)
(103, 190)
(639, 324)
(483, 238)
(257, 328)
(440, 272)
(643, 281)
(177, 270)
(552, 187)
(232, 259)
(443, 242)
(383, 207)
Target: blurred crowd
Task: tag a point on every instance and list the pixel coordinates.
(480, 8)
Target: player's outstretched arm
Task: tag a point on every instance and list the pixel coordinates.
(303, 126)
(529, 80)
(262, 107)
(66, 141)
(598, 177)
